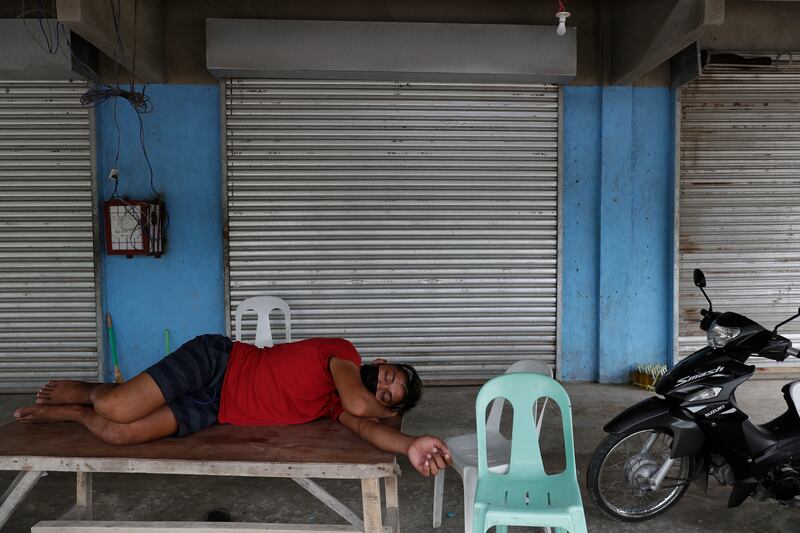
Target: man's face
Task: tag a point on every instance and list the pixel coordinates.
(391, 388)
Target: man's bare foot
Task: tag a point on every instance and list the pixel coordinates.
(65, 392)
(49, 413)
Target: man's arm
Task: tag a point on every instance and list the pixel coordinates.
(426, 453)
(356, 399)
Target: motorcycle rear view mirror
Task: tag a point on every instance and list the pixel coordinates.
(700, 282)
(775, 331)
(699, 278)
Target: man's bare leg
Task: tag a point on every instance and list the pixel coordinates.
(123, 403)
(160, 423)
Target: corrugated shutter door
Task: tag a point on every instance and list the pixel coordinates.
(418, 220)
(48, 318)
(740, 197)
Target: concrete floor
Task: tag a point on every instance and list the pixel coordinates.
(444, 411)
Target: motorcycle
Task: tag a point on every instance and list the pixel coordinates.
(655, 449)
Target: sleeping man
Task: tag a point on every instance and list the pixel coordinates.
(211, 379)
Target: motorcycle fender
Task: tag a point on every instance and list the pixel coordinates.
(653, 413)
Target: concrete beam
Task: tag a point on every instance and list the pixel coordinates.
(140, 24)
(405, 51)
(24, 59)
(685, 66)
(643, 35)
(756, 27)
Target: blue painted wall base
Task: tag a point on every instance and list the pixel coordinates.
(183, 290)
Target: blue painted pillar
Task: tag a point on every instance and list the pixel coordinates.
(653, 185)
(616, 234)
(617, 258)
(581, 232)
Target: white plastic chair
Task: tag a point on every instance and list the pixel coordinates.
(464, 449)
(262, 305)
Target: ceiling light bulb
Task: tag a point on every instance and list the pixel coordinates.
(562, 22)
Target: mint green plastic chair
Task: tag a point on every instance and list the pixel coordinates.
(526, 495)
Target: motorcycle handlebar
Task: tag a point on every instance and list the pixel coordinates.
(792, 351)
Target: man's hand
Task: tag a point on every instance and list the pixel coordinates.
(428, 455)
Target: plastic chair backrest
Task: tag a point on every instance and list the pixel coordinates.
(524, 365)
(523, 390)
(262, 305)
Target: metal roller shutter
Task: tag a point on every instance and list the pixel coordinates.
(48, 317)
(418, 220)
(740, 197)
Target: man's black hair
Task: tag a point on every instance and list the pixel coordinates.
(413, 389)
(369, 377)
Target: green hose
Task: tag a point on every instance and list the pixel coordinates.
(112, 341)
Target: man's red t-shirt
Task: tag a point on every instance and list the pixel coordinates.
(287, 384)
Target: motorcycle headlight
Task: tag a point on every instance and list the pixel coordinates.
(719, 336)
(704, 394)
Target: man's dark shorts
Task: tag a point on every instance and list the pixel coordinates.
(191, 380)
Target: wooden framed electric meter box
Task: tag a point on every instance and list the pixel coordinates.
(134, 227)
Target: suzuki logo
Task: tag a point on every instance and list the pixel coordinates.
(715, 410)
(695, 377)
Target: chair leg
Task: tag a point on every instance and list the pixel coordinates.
(470, 480)
(479, 519)
(578, 522)
(438, 498)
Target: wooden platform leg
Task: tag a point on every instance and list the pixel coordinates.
(83, 499)
(84, 495)
(392, 502)
(371, 500)
(328, 499)
(20, 487)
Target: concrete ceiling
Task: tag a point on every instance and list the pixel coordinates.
(619, 41)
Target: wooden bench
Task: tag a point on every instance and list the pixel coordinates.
(320, 449)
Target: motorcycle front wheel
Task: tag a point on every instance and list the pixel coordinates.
(621, 470)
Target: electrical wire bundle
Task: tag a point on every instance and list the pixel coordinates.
(138, 100)
(54, 39)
